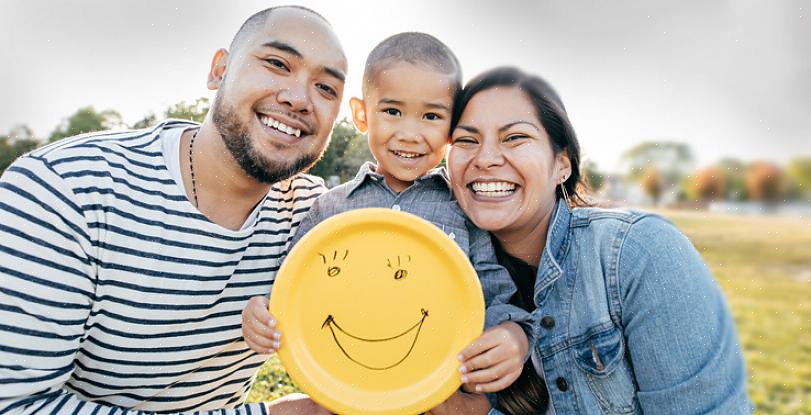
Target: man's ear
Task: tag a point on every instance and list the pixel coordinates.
(564, 166)
(218, 65)
(358, 107)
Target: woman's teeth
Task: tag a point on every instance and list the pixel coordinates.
(493, 189)
(270, 122)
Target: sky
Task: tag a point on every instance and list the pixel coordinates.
(730, 78)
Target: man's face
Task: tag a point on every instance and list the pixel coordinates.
(280, 95)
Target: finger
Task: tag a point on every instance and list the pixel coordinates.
(484, 343)
(495, 386)
(485, 375)
(490, 358)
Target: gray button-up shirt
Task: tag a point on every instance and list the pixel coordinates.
(430, 198)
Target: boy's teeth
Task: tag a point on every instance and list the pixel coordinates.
(270, 122)
(405, 155)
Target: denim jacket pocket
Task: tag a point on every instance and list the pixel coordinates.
(602, 359)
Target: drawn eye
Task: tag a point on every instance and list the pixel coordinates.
(399, 272)
(333, 270)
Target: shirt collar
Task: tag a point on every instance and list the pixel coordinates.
(557, 239)
(368, 172)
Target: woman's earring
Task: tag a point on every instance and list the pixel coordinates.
(565, 193)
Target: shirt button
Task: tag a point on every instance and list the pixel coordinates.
(452, 236)
(396, 207)
(562, 384)
(547, 322)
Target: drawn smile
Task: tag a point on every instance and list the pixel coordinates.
(364, 343)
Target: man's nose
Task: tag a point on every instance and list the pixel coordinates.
(296, 96)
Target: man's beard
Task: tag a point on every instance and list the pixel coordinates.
(238, 141)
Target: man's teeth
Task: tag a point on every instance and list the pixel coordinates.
(406, 155)
(493, 188)
(270, 122)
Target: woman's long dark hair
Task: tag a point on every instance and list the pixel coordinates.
(549, 109)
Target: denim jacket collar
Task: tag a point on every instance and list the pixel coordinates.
(367, 172)
(557, 242)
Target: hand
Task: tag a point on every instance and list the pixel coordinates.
(295, 404)
(496, 359)
(259, 327)
(462, 403)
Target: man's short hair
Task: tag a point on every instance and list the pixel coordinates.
(259, 18)
(415, 48)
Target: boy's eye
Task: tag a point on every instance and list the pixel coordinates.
(277, 63)
(392, 111)
(432, 116)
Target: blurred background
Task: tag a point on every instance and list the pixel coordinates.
(698, 110)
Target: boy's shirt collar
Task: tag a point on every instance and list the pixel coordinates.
(368, 172)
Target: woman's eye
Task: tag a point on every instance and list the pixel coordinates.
(432, 116)
(515, 137)
(277, 63)
(463, 140)
(392, 111)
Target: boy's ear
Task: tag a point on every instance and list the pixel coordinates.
(358, 107)
(218, 65)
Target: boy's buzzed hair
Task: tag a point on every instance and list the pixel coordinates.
(259, 18)
(415, 48)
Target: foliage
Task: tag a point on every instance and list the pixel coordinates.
(592, 174)
(707, 184)
(345, 154)
(765, 277)
(86, 120)
(764, 181)
(17, 142)
(195, 111)
(799, 171)
(733, 171)
(652, 184)
(672, 161)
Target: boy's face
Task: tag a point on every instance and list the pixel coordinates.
(407, 111)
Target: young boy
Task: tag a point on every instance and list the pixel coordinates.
(409, 86)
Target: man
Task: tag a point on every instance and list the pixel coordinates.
(126, 258)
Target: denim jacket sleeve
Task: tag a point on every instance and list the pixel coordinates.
(680, 334)
(497, 285)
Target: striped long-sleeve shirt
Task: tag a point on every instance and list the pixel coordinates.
(116, 294)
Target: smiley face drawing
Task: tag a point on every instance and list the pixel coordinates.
(374, 305)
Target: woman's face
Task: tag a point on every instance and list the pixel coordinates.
(502, 167)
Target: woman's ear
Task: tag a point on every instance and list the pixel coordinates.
(358, 107)
(218, 65)
(563, 166)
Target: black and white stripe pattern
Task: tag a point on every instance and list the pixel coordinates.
(116, 294)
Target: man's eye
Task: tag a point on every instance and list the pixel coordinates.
(392, 111)
(432, 116)
(277, 63)
(327, 89)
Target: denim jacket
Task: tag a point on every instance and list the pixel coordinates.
(630, 320)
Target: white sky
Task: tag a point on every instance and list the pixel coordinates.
(730, 78)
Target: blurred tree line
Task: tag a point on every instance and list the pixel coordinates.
(656, 167)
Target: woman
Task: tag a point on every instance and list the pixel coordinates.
(629, 319)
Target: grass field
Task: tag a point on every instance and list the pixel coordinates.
(763, 264)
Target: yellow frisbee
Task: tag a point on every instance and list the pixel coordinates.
(374, 306)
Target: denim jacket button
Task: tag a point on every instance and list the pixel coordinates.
(547, 322)
(396, 207)
(562, 384)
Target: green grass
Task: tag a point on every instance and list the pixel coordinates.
(763, 264)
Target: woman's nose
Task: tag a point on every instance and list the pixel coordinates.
(489, 156)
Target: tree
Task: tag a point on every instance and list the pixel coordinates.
(18, 141)
(652, 184)
(87, 120)
(592, 174)
(764, 182)
(347, 151)
(799, 171)
(671, 160)
(195, 111)
(734, 171)
(709, 184)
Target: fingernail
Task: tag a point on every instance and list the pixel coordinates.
(464, 379)
(462, 369)
(277, 335)
(276, 345)
(478, 388)
(460, 358)
(272, 323)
